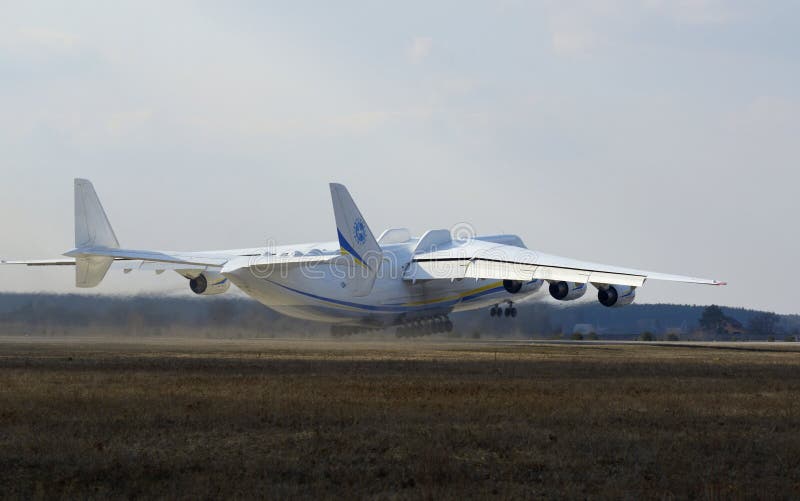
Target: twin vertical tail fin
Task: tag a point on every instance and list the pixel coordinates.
(92, 230)
(356, 240)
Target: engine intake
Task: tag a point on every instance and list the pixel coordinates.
(614, 296)
(518, 286)
(567, 291)
(209, 283)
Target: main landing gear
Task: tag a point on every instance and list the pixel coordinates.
(412, 328)
(498, 311)
(425, 326)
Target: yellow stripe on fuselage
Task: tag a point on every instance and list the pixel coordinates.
(456, 296)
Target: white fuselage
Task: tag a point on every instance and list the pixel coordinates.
(323, 292)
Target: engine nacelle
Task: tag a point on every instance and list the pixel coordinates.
(614, 296)
(209, 283)
(520, 287)
(567, 291)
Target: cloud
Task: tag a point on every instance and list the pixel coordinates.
(419, 49)
(42, 55)
(697, 12)
(770, 124)
(570, 41)
(52, 39)
(40, 39)
(125, 122)
(367, 121)
(579, 28)
(582, 29)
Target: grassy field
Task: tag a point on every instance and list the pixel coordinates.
(400, 419)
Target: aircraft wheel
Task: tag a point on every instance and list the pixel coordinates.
(513, 312)
(493, 311)
(508, 312)
(448, 326)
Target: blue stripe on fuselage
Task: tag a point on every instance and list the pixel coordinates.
(388, 308)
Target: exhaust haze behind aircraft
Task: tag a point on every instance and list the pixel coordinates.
(360, 281)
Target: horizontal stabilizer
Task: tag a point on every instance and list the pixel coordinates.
(90, 271)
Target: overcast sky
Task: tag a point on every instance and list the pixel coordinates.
(655, 134)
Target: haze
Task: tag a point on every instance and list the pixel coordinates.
(656, 134)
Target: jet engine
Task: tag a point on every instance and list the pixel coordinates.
(567, 291)
(209, 283)
(518, 286)
(615, 296)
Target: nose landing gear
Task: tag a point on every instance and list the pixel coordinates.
(498, 311)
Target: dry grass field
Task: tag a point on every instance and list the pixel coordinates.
(401, 419)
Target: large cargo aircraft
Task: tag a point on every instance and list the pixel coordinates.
(359, 281)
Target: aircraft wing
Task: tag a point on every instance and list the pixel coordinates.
(119, 263)
(42, 262)
(482, 259)
(188, 258)
(166, 260)
(259, 264)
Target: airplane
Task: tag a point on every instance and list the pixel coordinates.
(359, 282)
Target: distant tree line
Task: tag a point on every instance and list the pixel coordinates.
(236, 316)
(73, 314)
(761, 324)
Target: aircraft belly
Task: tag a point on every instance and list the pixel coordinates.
(486, 301)
(320, 298)
(392, 301)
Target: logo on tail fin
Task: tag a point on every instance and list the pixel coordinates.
(360, 231)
